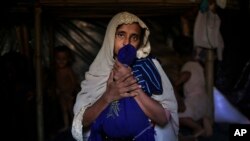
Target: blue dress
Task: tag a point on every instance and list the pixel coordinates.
(124, 119)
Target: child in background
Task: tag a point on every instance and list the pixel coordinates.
(65, 82)
(197, 113)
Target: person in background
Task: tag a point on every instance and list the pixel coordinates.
(66, 83)
(112, 104)
(191, 82)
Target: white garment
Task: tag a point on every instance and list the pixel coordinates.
(207, 32)
(96, 78)
(221, 3)
(196, 99)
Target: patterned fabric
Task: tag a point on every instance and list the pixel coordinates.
(119, 120)
(144, 70)
(120, 117)
(147, 76)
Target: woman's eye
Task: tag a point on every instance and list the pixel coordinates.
(135, 38)
(120, 35)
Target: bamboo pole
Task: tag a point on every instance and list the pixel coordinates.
(39, 96)
(210, 78)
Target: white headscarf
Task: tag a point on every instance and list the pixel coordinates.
(96, 78)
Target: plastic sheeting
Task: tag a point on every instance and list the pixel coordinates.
(225, 112)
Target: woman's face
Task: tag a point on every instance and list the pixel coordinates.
(127, 34)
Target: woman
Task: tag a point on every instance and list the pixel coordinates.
(108, 82)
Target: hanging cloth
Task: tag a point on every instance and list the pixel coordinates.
(207, 32)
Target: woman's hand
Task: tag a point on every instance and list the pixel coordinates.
(120, 70)
(120, 83)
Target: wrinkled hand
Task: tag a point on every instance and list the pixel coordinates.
(120, 83)
(120, 70)
(137, 92)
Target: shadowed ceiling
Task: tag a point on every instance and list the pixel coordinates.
(102, 8)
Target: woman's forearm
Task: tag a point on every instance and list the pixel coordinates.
(94, 111)
(152, 109)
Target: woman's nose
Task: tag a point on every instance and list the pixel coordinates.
(126, 41)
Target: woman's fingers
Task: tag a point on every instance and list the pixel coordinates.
(129, 89)
(117, 65)
(133, 93)
(122, 82)
(124, 78)
(121, 69)
(111, 77)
